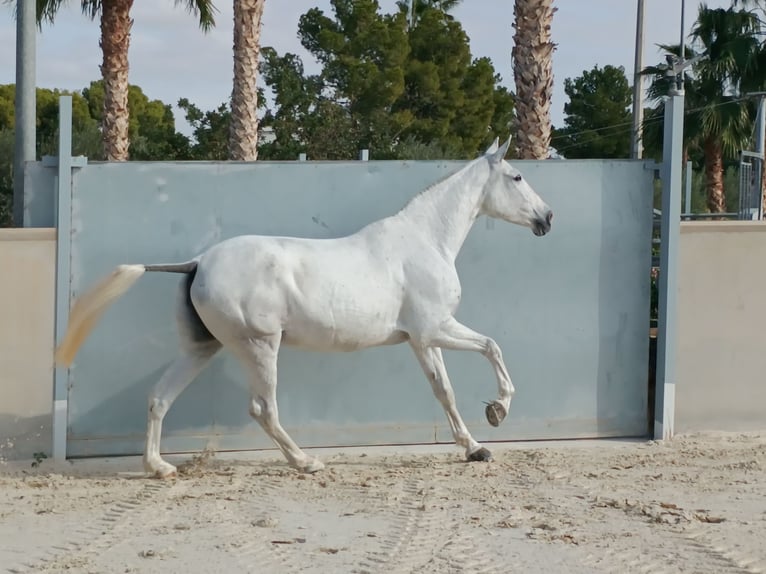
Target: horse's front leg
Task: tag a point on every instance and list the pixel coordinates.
(455, 335)
(432, 362)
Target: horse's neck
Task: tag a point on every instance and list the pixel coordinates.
(446, 211)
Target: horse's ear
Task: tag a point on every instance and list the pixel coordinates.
(499, 154)
(493, 147)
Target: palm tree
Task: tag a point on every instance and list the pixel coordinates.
(243, 130)
(421, 6)
(115, 20)
(718, 120)
(533, 75)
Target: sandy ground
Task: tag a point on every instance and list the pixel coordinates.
(695, 504)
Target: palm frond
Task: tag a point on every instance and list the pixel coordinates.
(204, 9)
(91, 8)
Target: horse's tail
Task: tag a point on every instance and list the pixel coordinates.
(91, 305)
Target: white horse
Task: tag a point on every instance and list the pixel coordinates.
(390, 282)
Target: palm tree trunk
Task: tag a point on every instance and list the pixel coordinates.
(243, 131)
(115, 41)
(533, 74)
(716, 198)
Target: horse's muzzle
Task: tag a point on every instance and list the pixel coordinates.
(542, 225)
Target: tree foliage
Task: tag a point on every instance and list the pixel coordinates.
(598, 116)
(152, 131)
(383, 85)
(397, 89)
(115, 22)
(718, 121)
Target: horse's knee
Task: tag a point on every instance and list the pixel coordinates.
(158, 407)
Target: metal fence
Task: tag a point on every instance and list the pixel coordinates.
(750, 178)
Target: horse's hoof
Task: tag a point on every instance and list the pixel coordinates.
(481, 455)
(165, 471)
(314, 465)
(495, 412)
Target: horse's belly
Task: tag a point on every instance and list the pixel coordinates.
(320, 340)
(341, 327)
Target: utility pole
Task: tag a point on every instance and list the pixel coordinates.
(760, 123)
(637, 147)
(25, 106)
(682, 43)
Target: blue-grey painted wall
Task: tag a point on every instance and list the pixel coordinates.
(569, 310)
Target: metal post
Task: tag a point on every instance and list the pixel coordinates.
(364, 155)
(760, 124)
(25, 106)
(760, 135)
(664, 406)
(63, 231)
(637, 147)
(683, 33)
(688, 199)
(760, 155)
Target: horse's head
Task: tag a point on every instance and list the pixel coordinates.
(508, 196)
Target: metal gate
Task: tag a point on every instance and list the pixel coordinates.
(569, 310)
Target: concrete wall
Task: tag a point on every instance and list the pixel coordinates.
(27, 295)
(722, 327)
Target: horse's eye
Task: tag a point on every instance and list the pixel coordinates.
(516, 178)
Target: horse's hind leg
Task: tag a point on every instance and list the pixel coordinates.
(198, 346)
(173, 381)
(259, 357)
(432, 362)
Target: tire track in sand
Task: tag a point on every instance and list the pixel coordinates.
(100, 534)
(465, 552)
(416, 536)
(254, 545)
(727, 557)
(662, 523)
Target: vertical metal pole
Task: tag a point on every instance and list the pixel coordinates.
(760, 136)
(25, 106)
(637, 148)
(63, 251)
(688, 199)
(364, 155)
(683, 33)
(668, 285)
(760, 125)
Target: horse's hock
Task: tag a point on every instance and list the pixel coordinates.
(569, 311)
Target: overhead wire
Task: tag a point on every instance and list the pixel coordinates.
(630, 123)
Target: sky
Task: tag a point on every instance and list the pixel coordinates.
(170, 57)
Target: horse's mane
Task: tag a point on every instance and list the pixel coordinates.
(438, 182)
